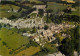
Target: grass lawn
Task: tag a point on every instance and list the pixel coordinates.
(12, 39)
(29, 51)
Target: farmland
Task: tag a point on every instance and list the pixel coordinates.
(39, 28)
(29, 51)
(75, 12)
(5, 8)
(12, 39)
(56, 6)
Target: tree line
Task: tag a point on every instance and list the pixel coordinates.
(69, 45)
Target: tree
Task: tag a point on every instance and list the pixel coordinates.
(0, 38)
(76, 4)
(73, 18)
(4, 43)
(48, 20)
(0, 25)
(49, 11)
(46, 27)
(57, 19)
(12, 17)
(54, 41)
(67, 47)
(67, 11)
(34, 30)
(48, 48)
(32, 43)
(41, 12)
(76, 38)
(19, 9)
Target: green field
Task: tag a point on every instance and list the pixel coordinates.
(36, 1)
(56, 6)
(75, 12)
(5, 8)
(12, 39)
(29, 51)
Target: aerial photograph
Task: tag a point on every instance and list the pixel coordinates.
(39, 28)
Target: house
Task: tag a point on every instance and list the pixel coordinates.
(35, 38)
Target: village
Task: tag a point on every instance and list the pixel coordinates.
(42, 36)
(43, 28)
(39, 24)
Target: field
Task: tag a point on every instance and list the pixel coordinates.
(5, 8)
(29, 51)
(75, 12)
(36, 1)
(10, 40)
(56, 6)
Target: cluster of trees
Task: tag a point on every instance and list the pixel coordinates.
(32, 43)
(19, 9)
(34, 30)
(12, 17)
(22, 1)
(4, 25)
(50, 0)
(75, 33)
(14, 3)
(46, 27)
(69, 45)
(54, 41)
(4, 43)
(0, 25)
(73, 18)
(24, 30)
(41, 12)
(25, 13)
(7, 2)
(54, 18)
(67, 11)
(0, 38)
(76, 4)
(50, 17)
(47, 49)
